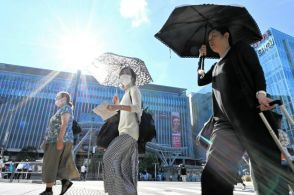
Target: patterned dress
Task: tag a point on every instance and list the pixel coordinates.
(55, 123)
(59, 164)
(120, 160)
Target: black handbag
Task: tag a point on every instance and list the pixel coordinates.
(203, 137)
(108, 131)
(76, 128)
(147, 130)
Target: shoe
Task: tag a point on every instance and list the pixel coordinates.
(65, 187)
(46, 193)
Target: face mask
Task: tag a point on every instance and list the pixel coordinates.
(59, 102)
(125, 80)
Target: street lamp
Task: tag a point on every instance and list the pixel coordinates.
(74, 97)
(2, 101)
(155, 173)
(89, 146)
(78, 78)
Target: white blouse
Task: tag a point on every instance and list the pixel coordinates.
(128, 122)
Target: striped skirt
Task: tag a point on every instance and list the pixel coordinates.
(120, 163)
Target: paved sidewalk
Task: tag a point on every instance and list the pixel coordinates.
(96, 188)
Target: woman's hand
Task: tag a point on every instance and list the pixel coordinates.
(201, 73)
(59, 143)
(264, 102)
(112, 107)
(115, 100)
(202, 50)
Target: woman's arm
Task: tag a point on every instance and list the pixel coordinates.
(135, 96)
(119, 107)
(64, 122)
(207, 78)
(251, 60)
(203, 78)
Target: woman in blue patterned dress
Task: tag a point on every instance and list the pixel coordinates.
(58, 161)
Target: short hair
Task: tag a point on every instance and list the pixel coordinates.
(67, 96)
(222, 30)
(129, 71)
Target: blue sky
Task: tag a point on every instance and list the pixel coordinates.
(43, 33)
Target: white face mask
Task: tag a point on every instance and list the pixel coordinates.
(60, 102)
(125, 80)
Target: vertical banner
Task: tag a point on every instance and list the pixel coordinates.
(176, 129)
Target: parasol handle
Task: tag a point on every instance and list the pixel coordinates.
(202, 58)
(201, 66)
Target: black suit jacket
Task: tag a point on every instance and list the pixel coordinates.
(241, 112)
(248, 70)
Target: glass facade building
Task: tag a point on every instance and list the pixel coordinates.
(276, 55)
(28, 96)
(200, 111)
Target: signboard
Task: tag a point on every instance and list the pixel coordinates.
(265, 44)
(176, 130)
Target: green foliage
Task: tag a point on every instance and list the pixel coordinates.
(146, 163)
(28, 152)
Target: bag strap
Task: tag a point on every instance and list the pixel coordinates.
(132, 103)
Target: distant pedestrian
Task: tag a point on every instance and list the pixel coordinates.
(30, 170)
(83, 172)
(10, 169)
(183, 173)
(25, 169)
(1, 166)
(240, 180)
(58, 160)
(19, 170)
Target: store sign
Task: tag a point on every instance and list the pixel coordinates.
(265, 47)
(265, 44)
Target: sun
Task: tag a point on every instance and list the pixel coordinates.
(78, 50)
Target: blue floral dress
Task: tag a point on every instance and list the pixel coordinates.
(55, 123)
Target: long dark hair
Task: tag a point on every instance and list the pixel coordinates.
(129, 71)
(223, 30)
(67, 97)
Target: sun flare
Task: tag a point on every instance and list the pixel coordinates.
(78, 50)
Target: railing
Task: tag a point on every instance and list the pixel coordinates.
(31, 169)
(77, 147)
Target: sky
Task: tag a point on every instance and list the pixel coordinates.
(66, 35)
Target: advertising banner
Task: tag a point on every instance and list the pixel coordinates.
(176, 129)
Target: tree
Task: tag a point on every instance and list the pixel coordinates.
(147, 163)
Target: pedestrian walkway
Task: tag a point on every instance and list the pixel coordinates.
(96, 188)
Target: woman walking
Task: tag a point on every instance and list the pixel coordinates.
(120, 160)
(238, 86)
(58, 161)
